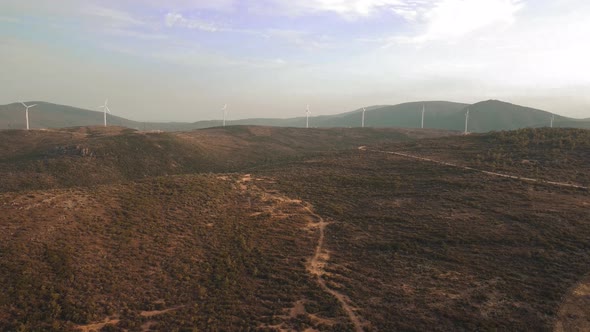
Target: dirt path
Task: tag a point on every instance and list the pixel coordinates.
(115, 320)
(316, 268)
(97, 326)
(560, 184)
(159, 312)
(319, 260)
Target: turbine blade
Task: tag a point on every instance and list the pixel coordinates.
(32, 106)
(25, 105)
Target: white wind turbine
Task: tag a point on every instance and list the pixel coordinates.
(552, 119)
(307, 114)
(363, 120)
(106, 110)
(27, 112)
(224, 109)
(423, 111)
(466, 121)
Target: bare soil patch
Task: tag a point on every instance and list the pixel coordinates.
(574, 313)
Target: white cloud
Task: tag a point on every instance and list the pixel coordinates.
(137, 34)
(302, 39)
(176, 19)
(346, 8)
(451, 19)
(112, 17)
(409, 14)
(179, 5)
(438, 19)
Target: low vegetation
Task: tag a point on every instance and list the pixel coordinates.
(549, 154)
(419, 246)
(171, 241)
(198, 245)
(96, 155)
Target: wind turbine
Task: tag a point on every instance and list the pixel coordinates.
(27, 112)
(423, 111)
(363, 121)
(307, 113)
(106, 110)
(552, 119)
(466, 120)
(224, 109)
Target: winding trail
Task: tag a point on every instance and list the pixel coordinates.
(98, 326)
(515, 177)
(316, 268)
(319, 260)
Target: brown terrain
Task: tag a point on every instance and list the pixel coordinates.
(253, 228)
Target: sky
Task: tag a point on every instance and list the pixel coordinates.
(182, 60)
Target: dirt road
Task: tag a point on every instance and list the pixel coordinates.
(516, 177)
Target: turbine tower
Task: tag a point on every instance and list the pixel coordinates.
(552, 119)
(27, 112)
(106, 110)
(307, 114)
(224, 109)
(423, 111)
(363, 120)
(466, 121)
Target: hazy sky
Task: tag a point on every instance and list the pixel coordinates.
(181, 60)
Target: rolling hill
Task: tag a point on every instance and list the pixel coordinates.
(274, 229)
(48, 115)
(494, 115)
(486, 116)
(97, 155)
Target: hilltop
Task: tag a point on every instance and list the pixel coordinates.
(98, 155)
(495, 115)
(486, 116)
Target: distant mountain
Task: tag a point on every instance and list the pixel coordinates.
(484, 116)
(48, 115)
(410, 115)
(497, 115)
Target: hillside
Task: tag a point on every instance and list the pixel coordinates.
(549, 154)
(164, 253)
(407, 115)
(485, 116)
(416, 245)
(325, 237)
(98, 155)
(47, 115)
(497, 115)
